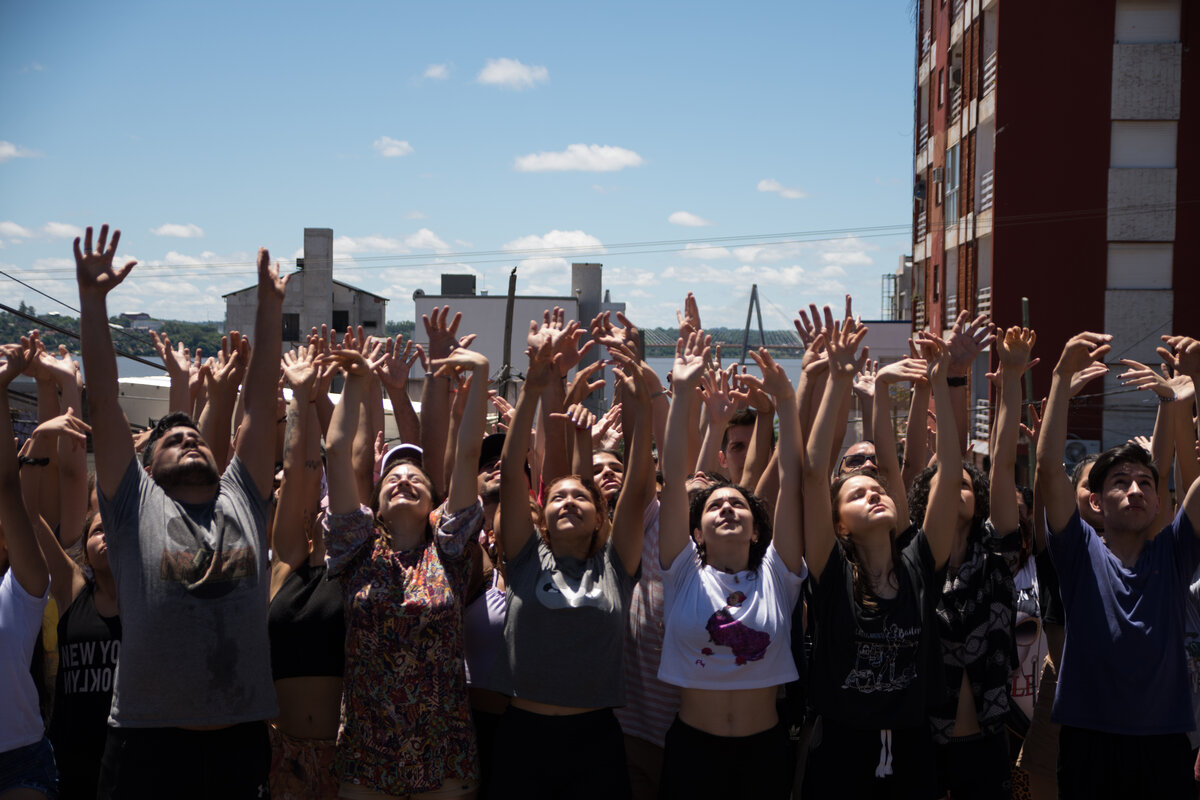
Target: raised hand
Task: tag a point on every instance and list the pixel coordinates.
(541, 352)
(567, 350)
(774, 381)
(936, 352)
(396, 363)
(864, 380)
(16, 359)
(67, 426)
(906, 370)
(689, 318)
(178, 361)
(504, 410)
(1183, 355)
(576, 414)
(1014, 348)
(968, 338)
(443, 335)
(94, 269)
(1140, 376)
(270, 284)
(353, 362)
(844, 338)
(718, 399)
(1081, 351)
(690, 358)
(582, 385)
(300, 370)
(225, 372)
(459, 360)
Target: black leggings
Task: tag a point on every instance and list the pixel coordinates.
(576, 756)
(700, 764)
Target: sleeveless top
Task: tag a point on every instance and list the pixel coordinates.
(88, 646)
(307, 626)
(483, 633)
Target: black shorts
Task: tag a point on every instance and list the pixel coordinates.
(700, 764)
(1095, 765)
(976, 767)
(854, 762)
(154, 763)
(574, 756)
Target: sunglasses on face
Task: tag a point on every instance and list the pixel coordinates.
(859, 459)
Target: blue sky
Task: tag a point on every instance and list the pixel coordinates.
(429, 136)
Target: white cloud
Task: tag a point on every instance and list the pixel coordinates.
(33, 67)
(426, 239)
(704, 252)
(630, 277)
(437, 72)
(508, 73)
(62, 230)
(772, 185)
(15, 231)
(545, 263)
(580, 158)
(179, 231)
(9, 150)
(414, 214)
(688, 220)
(557, 240)
(346, 245)
(392, 148)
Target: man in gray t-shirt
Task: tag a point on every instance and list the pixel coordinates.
(188, 549)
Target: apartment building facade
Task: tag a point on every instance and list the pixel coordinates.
(1052, 178)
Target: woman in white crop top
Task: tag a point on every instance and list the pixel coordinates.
(729, 590)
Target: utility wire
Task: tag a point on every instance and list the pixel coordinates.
(59, 329)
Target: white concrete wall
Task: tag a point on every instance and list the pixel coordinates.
(1146, 80)
(1141, 205)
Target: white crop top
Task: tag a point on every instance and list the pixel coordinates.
(728, 631)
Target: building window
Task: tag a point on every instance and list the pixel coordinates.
(291, 327)
(952, 181)
(341, 320)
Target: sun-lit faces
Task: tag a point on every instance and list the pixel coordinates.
(570, 508)
(726, 514)
(405, 489)
(608, 472)
(862, 503)
(1129, 498)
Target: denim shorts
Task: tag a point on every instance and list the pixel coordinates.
(30, 767)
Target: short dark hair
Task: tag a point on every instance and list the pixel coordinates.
(1127, 453)
(741, 418)
(176, 419)
(758, 511)
(1080, 466)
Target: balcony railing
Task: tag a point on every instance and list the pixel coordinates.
(983, 302)
(926, 40)
(922, 224)
(919, 315)
(955, 103)
(951, 309)
(985, 190)
(956, 9)
(922, 136)
(989, 73)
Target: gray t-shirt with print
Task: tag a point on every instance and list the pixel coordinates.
(192, 583)
(564, 634)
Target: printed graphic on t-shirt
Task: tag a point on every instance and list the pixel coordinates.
(885, 661)
(746, 643)
(88, 666)
(555, 592)
(207, 571)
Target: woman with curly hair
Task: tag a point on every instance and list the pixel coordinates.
(729, 588)
(406, 725)
(977, 605)
(569, 588)
(876, 663)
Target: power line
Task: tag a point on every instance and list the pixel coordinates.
(44, 323)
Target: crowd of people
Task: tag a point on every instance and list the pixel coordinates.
(699, 593)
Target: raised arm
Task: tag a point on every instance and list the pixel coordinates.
(1014, 347)
(297, 503)
(256, 443)
(339, 440)
(178, 362)
(941, 513)
(628, 527)
(515, 525)
(914, 371)
(111, 442)
(24, 556)
(719, 407)
(1080, 352)
(1186, 361)
(968, 338)
(1162, 442)
(462, 483)
(442, 331)
(788, 539)
(222, 378)
(674, 525)
(393, 372)
(67, 431)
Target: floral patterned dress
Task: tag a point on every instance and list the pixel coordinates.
(406, 724)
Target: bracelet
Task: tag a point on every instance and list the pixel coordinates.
(658, 394)
(1170, 399)
(33, 462)
(956, 380)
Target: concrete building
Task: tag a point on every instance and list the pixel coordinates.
(484, 315)
(313, 298)
(1050, 165)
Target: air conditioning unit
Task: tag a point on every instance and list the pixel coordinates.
(1077, 449)
(955, 76)
(939, 174)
